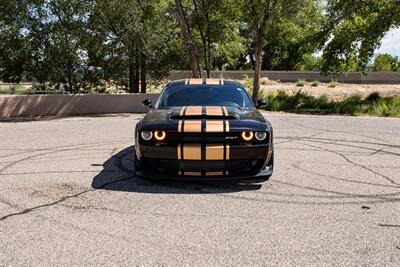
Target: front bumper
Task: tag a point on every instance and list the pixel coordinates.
(262, 174)
(243, 163)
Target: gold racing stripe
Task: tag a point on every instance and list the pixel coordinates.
(225, 110)
(194, 111)
(180, 122)
(214, 126)
(217, 152)
(196, 81)
(213, 111)
(191, 152)
(182, 112)
(213, 81)
(179, 152)
(192, 126)
(180, 126)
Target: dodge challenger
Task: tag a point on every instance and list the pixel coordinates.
(204, 129)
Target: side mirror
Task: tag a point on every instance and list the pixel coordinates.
(261, 103)
(147, 103)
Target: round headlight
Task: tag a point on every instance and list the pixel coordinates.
(247, 136)
(160, 135)
(146, 135)
(260, 136)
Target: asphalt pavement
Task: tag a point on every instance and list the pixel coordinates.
(68, 197)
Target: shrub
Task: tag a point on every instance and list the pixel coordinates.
(248, 85)
(265, 81)
(373, 97)
(301, 83)
(315, 83)
(352, 105)
(332, 84)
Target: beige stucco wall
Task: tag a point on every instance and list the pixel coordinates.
(46, 105)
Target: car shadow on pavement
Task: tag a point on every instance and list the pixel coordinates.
(118, 175)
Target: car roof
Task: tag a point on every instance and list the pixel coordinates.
(203, 81)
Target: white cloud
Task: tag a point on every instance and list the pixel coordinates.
(390, 43)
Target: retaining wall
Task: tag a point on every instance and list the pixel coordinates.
(47, 105)
(294, 76)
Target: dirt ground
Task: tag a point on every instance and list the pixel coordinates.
(337, 93)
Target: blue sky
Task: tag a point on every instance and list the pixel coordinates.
(390, 43)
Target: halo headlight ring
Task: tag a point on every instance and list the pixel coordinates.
(260, 136)
(247, 136)
(146, 135)
(159, 135)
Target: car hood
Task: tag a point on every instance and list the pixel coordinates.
(238, 118)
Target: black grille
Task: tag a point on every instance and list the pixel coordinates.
(229, 165)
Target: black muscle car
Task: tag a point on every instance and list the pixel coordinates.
(204, 129)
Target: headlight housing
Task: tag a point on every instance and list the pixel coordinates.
(146, 135)
(160, 135)
(247, 136)
(260, 136)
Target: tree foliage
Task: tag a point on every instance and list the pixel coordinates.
(354, 29)
(385, 62)
(79, 44)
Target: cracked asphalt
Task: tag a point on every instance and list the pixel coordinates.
(68, 196)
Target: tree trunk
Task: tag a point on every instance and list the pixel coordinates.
(259, 47)
(257, 67)
(137, 76)
(143, 84)
(189, 43)
(131, 75)
(71, 88)
(131, 68)
(208, 57)
(208, 48)
(205, 41)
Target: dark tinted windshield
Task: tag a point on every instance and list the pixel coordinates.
(205, 95)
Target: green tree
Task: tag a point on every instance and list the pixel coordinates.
(385, 62)
(290, 38)
(14, 46)
(217, 23)
(211, 32)
(133, 39)
(353, 30)
(44, 41)
(262, 16)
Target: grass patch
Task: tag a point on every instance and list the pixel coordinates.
(300, 102)
(315, 84)
(332, 84)
(300, 83)
(248, 84)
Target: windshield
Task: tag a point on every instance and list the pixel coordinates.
(205, 95)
